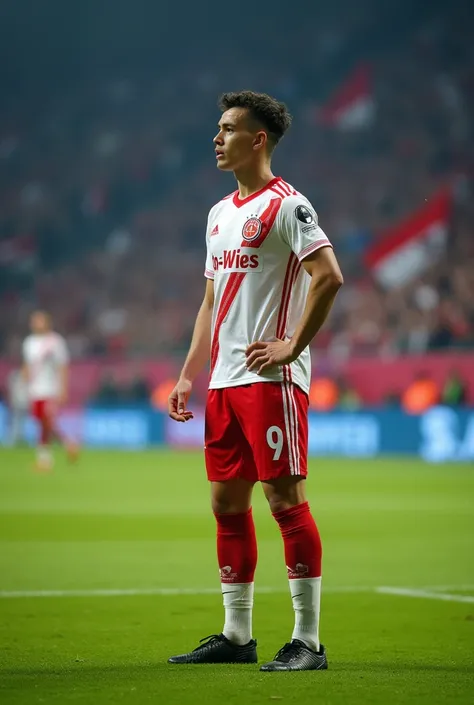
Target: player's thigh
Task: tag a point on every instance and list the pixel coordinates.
(227, 452)
(37, 409)
(44, 410)
(274, 417)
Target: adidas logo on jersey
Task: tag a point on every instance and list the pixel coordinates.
(215, 230)
(242, 260)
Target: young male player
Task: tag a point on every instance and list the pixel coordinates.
(45, 369)
(272, 279)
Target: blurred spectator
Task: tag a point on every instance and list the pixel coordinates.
(421, 394)
(137, 391)
(349, 399)
(108, 392)
(323, 394)
(393, 400)
(454, 391)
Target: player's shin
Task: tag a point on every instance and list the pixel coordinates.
(44, 459)
(303, 554)
(237, 556)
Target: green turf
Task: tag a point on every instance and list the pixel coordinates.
(141, 521)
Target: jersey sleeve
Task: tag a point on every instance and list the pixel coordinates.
(300, 228)
(209, 270)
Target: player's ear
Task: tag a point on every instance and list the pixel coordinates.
(260, 140)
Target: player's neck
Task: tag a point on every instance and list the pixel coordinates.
(251, 180)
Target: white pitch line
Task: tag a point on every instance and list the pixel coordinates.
(124, 592)
(424, 594)
(447, 588)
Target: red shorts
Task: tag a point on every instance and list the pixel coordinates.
(257, 432)
(42, 409)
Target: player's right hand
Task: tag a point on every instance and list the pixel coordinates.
(178, 401)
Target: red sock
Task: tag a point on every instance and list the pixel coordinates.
(303, 551)
(236, 547)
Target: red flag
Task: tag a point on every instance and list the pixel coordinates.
(406, 250)
(352, 105)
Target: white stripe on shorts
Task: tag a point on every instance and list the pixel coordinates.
(291, 389)
(290, 424)
(287, 426)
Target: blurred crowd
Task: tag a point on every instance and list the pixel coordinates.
(105, 189)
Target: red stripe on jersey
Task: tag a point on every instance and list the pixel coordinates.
(230, 292)
(292, 272)
(286, 281)
(289, 188)
(267, 219)
(239, 202)
(283, 189)
(278, 190)
(322, 242)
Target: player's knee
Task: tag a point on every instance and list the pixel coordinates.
(284, 494)
(228, 505)
(279, 504)
(220, 505)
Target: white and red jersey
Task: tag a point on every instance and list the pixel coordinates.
(44, 356)
(255, 247)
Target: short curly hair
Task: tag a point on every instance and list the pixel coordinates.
(267, 111)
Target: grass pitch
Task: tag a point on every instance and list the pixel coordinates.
(108, 567)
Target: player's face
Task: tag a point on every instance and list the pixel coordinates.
(238, 142)
(39, 322)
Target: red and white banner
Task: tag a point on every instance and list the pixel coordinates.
(406, 250)
(352, 105)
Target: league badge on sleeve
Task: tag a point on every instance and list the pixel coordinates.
(305, 216)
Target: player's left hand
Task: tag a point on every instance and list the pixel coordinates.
(262, 356)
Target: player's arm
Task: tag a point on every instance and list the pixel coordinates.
(63, 373)
(326, 280)
(300, 230)
(196, 359)
(25, 370)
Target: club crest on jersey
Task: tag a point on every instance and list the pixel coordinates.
(252, 229)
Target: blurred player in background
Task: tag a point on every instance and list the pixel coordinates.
(272, 279)
(45, 370)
